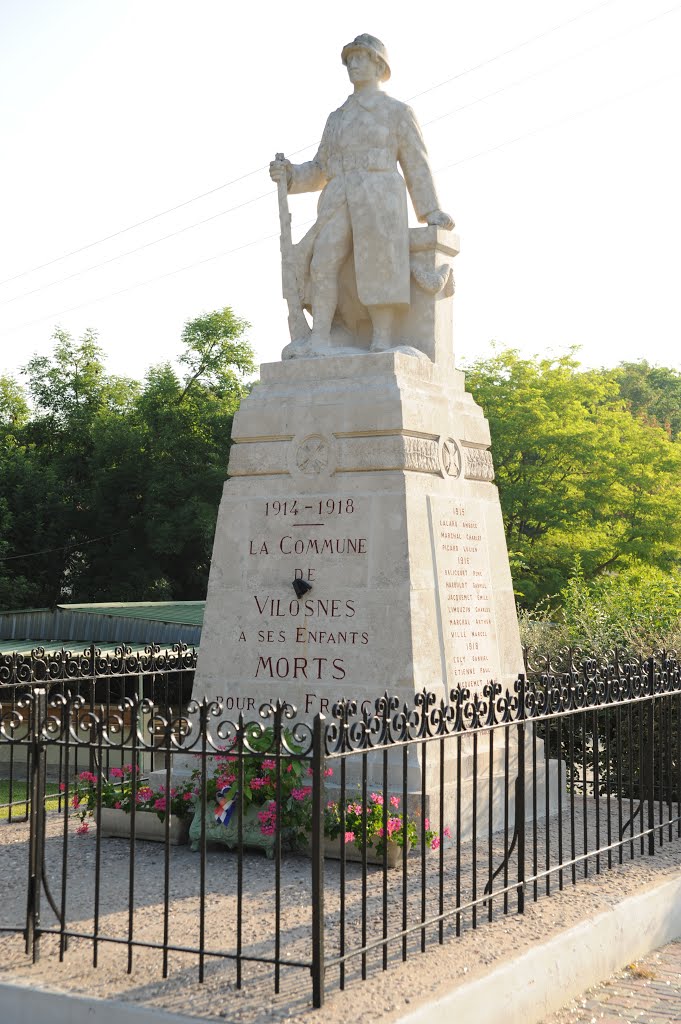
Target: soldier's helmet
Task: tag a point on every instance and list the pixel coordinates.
(375, 48)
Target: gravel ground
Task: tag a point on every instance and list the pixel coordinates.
(385, 997)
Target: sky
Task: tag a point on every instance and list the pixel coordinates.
(552, 128)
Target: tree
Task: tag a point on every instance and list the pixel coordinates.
(652, 393)
(13, 405)
(118, 482)
(578, 473)
(216, 354)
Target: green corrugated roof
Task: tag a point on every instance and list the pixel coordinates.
(25, 646)
(188, 613)
(23, 611)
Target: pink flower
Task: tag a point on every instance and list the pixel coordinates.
(268, 819)
(160, 804)
(309, 770)
(62, 787)
(75, 800)
(394, 825)
(301, 793)
(355, 808)
(88, 777)
(447, 832)
(349, 837)
(144, 793)
(269, 765)
(83, 828)
(435, 843)
(330, 805)
(328, 772)
(376, 798)
(426, 822)
(173, 792)
(394, 801)
(187, 796)
(259, 783)
(118, 805)
(116, 773)
(226, 780)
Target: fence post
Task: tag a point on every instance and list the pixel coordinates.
(36, 842)
(650, 757)
(520, 797)
(318, 968)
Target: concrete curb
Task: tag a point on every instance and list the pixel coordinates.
(524, 990)
(23, 1005)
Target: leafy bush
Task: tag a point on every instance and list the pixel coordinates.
(636, 609)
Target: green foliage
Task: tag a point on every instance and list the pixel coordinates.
(653, 393)
(13, 405)
(637, 609)
(579, 473)
(109, 486)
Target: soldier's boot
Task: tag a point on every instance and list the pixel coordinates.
(382, 322)
(324, 302)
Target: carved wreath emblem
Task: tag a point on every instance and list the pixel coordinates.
(312, 455)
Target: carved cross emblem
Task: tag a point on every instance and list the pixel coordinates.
(451, 457)
(312, 455)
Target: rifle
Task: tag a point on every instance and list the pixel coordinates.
(297, 324)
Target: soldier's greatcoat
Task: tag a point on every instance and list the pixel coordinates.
(356, 164)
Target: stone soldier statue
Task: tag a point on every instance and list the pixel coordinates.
(362, 211)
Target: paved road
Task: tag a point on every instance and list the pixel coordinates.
(647, 992)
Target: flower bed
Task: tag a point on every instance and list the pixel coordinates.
(268, 806)
(290, 810)
(118, 789)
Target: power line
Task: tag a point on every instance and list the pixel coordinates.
(147, 220)
(258, 170)
(446, 167)
(152, 280)
(139, 248)
(63, 547)
(552, 67)
(561, 120)
(434, 120)
(513, 49)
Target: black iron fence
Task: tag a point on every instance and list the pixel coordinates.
(385, 830)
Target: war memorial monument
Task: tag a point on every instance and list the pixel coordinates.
(359, 544)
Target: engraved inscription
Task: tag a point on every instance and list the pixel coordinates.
(464, 587)
(315, 635)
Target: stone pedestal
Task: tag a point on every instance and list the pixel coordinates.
(369, 478)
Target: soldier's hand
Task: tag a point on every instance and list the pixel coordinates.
(440, 219)
(280, 169)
